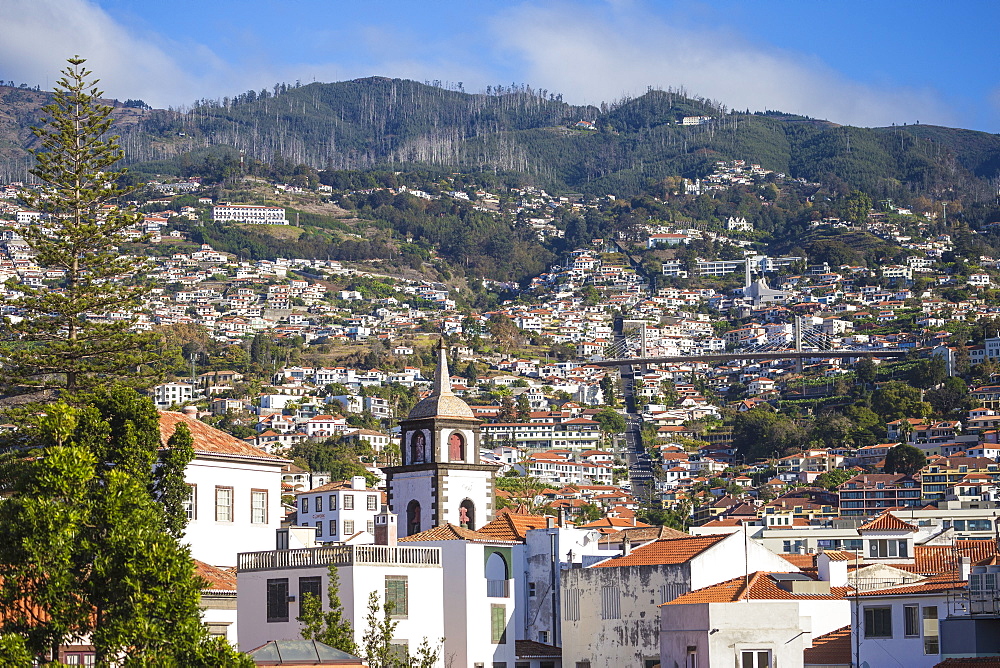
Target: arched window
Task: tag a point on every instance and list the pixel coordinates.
(418, 446)
(456, 447)
(412, 517)
(467, 515)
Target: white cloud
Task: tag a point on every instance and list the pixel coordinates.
(40, 34)
(594, 54)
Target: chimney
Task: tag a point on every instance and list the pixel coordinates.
(964, 568)
(550, 522)
(385, 528)
(833, 571)
(190, 411)
(626, 545)
(359, 482)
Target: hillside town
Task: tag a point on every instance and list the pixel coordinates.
(766, 459)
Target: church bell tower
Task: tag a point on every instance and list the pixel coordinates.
(441, 478)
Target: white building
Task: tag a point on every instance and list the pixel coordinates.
(441, 479)
(271, 585)
(618, 598)
(758, 620)
(234, 501)
(172, 394)
(340, 511)
(249, 213)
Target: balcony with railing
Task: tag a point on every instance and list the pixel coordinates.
(340, 555)
(498, 588)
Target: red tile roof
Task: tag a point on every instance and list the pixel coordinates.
(929, 586)
(930, 559)
(445, 531)
(665, 551)
(209, 440)
(887, 522)
(513, 526)
(833, 648)
(761, 587)
(216, 579)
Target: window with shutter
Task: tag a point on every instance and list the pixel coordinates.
(498, 624)
(277, 600)
(396, 595)
(310, 585)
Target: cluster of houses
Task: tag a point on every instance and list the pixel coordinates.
(794, 581)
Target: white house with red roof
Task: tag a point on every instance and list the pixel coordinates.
(234, 493)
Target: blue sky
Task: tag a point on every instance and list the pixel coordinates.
(864, 63)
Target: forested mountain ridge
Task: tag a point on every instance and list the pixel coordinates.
(381, 122)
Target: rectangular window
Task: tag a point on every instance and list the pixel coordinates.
(258, 506)
(223, 504)
(190, 503)
(348, 528)
(932, 643)
(310, 585)
(911, 621)
(370, 526)
(543, 637)
(691, 661)
(755, 658)
(396, 594)
(319, 504)
(887, 548)
(304, 504)
(277, 600)
(319, 529)
(531, 589)
(878, 622)
(333, 528)
(498, 624)
(372, 502)
(571, 605)
(611, 602)
(348, 502)
(333, 502)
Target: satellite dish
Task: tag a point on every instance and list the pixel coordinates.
(864, 664)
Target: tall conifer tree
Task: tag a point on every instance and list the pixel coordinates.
(67, 337)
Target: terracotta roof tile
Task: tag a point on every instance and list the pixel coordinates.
(840, 555)
(209, 440)
(642, 534)
(665, 551)
(833, 648)
(761, 586)
(971, 662)
(930, 586)
(800, 560)
(217, 579)
(445, 531)
(529, 649)
(513, 526)
(887, 522)
(930, 559)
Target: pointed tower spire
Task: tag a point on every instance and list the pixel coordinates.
(442, 378)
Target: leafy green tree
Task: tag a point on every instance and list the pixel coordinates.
(59, 342)
(904, 458)
(857, 206)
(87, 546)
(896, 400)
(928, 372)
(611, 421)
(831, 480)
(952, 397)
(865, 370)
(377, 646)
(331, 626)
